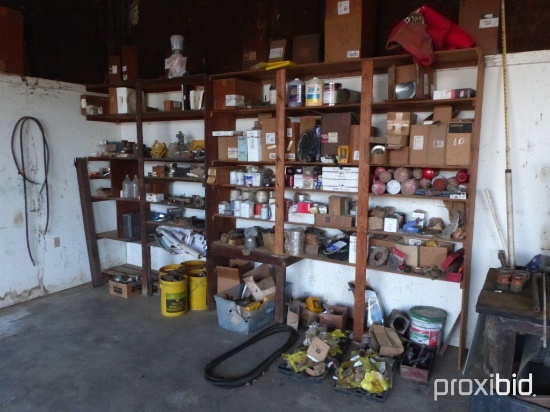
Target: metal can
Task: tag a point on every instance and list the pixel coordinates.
(331, 93)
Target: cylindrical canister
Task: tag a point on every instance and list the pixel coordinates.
(314, 92)
(330, 93)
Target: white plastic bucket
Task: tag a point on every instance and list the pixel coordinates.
(426, 325)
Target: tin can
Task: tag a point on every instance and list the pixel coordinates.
(330, 93)
(295, 93)
(314, 92)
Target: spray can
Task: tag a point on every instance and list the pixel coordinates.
(352, 249)
(295, 93)
(314, 92)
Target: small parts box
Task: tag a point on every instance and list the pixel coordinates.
(124, 290)
(416, 369)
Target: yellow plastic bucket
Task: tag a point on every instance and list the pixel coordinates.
(173, 294)
(193, 264)
(197, 289)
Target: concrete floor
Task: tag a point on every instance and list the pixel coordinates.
(85, 350)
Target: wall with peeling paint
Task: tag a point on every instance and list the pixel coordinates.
(56, 106)
(529, 83)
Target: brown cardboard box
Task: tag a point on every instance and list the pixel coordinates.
(12, 44)
(398, 157)
(252, 91)
(172, 106)
(278, 51)
(394, 142)
(124, 290)
(308, 122)
(305, 49)
(292, 136)
(437, 143)
(411, 253)
(129, 63)
(335, 131)
(228, 147)
(335, 221)
(386, 341)
(388, 241)
(230, 276)
(269, 139)
(380, 158)
(255, 50)
(434, 255)
(101, 102)
(115, 69)
(336, 317)
(459, 141)
(399, 77)
(399, 123)
(349, 29)
(260, 282)
(418, 146)
(338, 205)
(443, 114)
(113, 103)
(481, 20)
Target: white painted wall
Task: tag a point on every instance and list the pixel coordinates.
(529, 84)
(57, 106)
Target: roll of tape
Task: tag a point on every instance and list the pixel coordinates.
(378, 256)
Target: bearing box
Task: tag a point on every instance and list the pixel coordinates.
(124, 290)
(459, 141)
(250, 91)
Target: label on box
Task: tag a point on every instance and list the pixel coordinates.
(343, 7)
(113, 69)
(488, 21)
(270, 138)
(355, 155)
(332, 137)
(438, 144)
(232, 152)
(418, 142)
(276, 53)
(254, 133)
(351, 54)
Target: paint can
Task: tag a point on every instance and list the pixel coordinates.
(426, 325)
(330, 93)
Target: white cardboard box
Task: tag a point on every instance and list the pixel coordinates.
(254, 145)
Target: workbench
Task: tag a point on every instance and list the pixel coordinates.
(506, 314)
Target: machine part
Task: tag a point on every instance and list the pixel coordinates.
(378, 256)
(254, 373)
(519, 278)
(536, 297)
(26, 179)
(495, 220)
(504, 277)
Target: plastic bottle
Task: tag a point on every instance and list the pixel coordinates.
(135, 188)
(127, 188)
(314, 92)
(295, 93)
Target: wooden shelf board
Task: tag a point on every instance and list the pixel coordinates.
(241, 163)
(446, 167)
(339, 69)
(244, 112)
(176, 179)
(251, 188)
(113, 235)
(387, 269)
(101, 198)
(312, 110)
(300, 163)
(261, 254)
(167, 159)
(419, 105)
(343, 229)
(399, 196)
(295, 189)
(172, 224)
(243, 218)
(122, 270)
(176, 204)
(416, 236)
(148, 116)
(323, 258)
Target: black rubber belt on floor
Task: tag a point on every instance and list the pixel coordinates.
(237, 381)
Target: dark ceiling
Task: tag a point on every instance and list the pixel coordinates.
(70, 40)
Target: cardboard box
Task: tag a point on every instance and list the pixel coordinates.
(234, 100)
(338, 205)
(399, 123)
(237, 319)
(318, 350)
(410, 81)
(336, 317)
(254, 149)
(307, 317)
(228, 148)
(398, 157)
(349, 29)
(101, 103)
(269, 139)
(336, 131)
(459, 141)
(418, 146)
(231, 276)
(411, 253)
(255, 50)
(292, 136)
(388, 241)
(355, 143)
(386, 341)
(434, 255)
(340, 183)
(251, 91)
(416, 373)
(12, 43)
(443, 114)
(335, 221)
(293, 315)
(381, 158)
(305, 49)
(115, 69)
(172, 106)
(343, 173)
(453, 94)
(124, 290)
(260, 282)
(278, 51)
(307, 218)
(129, 63)
(394, 142)
(437, 143)
(308, 122)
(481, 20)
